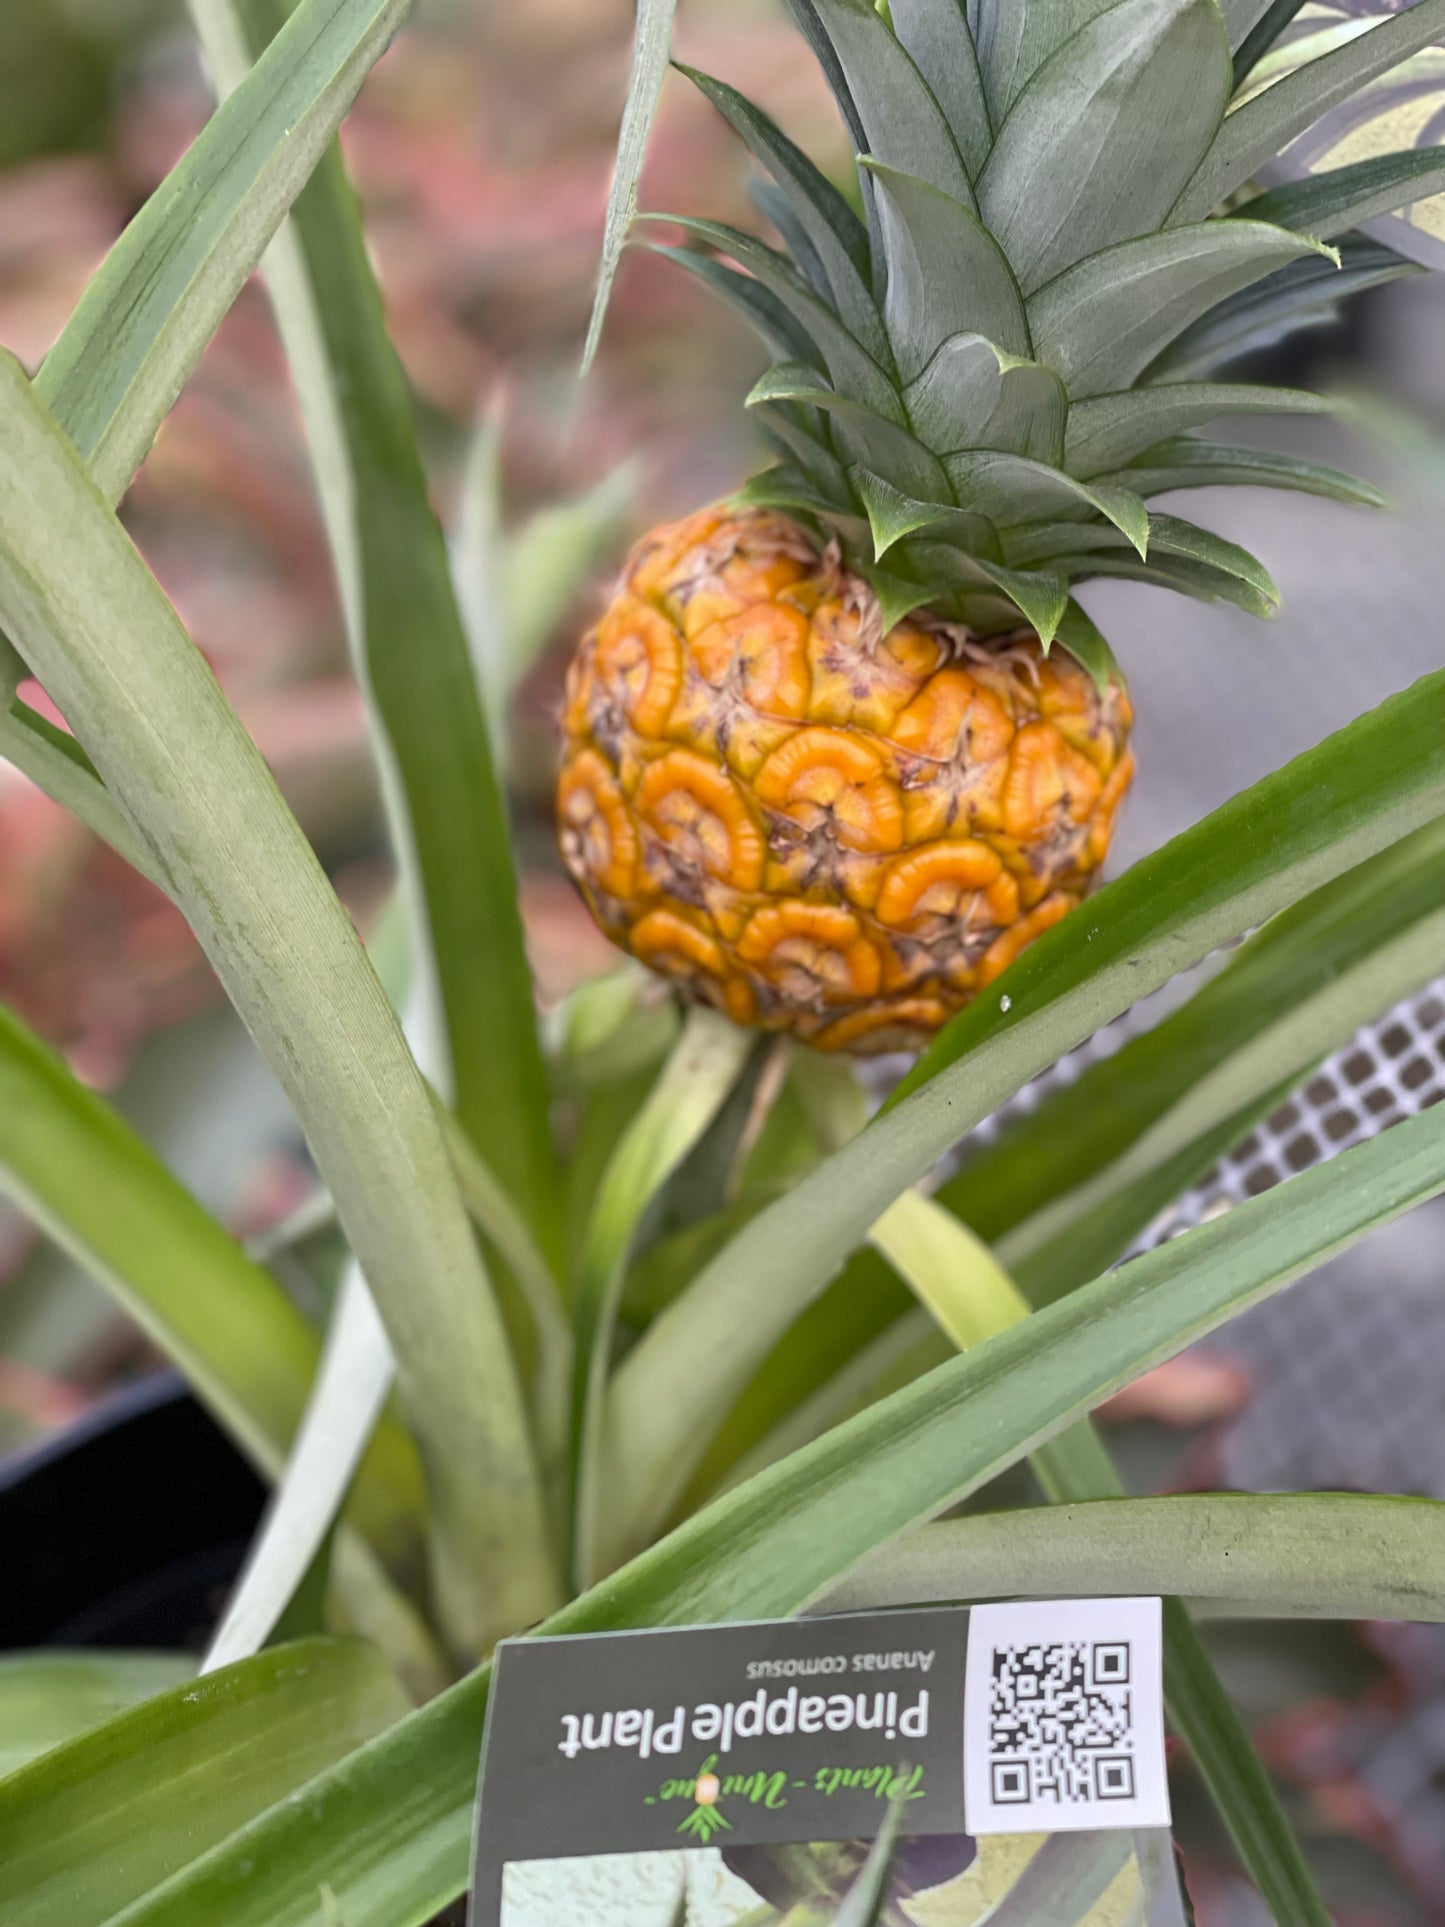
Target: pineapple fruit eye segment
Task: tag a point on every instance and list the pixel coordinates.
(755, 762)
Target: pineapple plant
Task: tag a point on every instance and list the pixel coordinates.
(675, 1335)
(841, 747)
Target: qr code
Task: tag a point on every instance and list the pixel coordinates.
(1061, 1723)
(1064, 1717)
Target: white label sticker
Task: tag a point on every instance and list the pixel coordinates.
(1063, 1728)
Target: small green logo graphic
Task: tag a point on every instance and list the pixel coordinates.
(706, 1818)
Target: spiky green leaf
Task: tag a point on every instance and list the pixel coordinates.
(758, 305)
(1254, 26)
(1078, 163)
(1169, 537)
(903, 123)
(946, 274)
(1268, 121)
(1324, 813)
(1041, 595)
(650, 49)
(1167, 569)
(973, 395)
(833, 230)
(1110, 430)
(897, 597)
(936, 34)
(1014, 39)
(1081, 636)
(1186, 461)
(852, 370)
(1010, 489)
(867, 437)
(1302, 295)
(1102, 322)
(1346, 197)
(892, 516)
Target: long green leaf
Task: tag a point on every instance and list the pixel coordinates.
(1295, 1555)
(351, 1386)
(865, 1900)
(1254, 26)
(1229, 570)
(1064, 1192)
(145, 317)
(1329, 810)
(552, 1341)
(1256, 131)
(447, 815)
(92, 621)
(99, 1822)
(55, 763)
(955, 1275)
(644, 90)
(383, 1839)
(1198, 564)
(756, 304)
(103, 1195)
(389, 1828)
(50, 1696)
(1346, 197)
(694, 1084)
(141, 324)
(831, 1387)
(934, 1442)
(1225, 1756)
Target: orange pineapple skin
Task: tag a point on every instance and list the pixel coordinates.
(812, 826)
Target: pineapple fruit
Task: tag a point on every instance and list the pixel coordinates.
(841, 747)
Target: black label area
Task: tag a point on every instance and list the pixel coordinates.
(723, 1736)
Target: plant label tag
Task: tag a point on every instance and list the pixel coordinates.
(705, 1776)
(1064, 1717)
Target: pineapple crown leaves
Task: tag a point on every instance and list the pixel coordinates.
(979, 383)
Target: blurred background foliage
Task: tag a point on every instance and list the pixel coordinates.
(482, 149)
